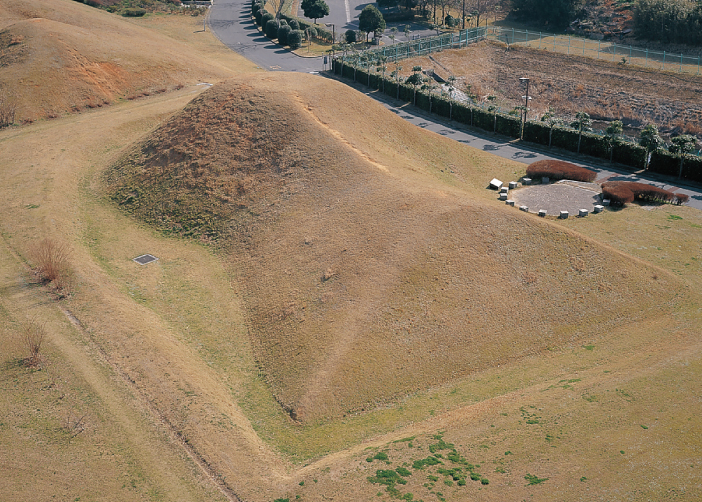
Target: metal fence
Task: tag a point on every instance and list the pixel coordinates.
(599, 49)
(428, 45)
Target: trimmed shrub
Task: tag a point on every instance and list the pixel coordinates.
(441, 106)
(664, 163)
(283, 32)
(509, 126)
(484, 119)
(303, 24)
(629, 154)
(350, 36)
(295, 39)
(559, 170)
(536, 132)
(271, 30)
(461, 113)
(258, 16)
(265, 17)
(692, 168)
(294, 24)
(255, 7)
(394, 17)
(133, 12)
(623, 192)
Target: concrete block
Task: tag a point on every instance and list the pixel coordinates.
(510, 202)
(526, 181)
(545, 180)
(504, 190)
(503, 196)
(542, 212)
(513, 185)
(605, 202)
(564, 215)
(496, 184)
(524, 208)
(597, 209)
(583, 212)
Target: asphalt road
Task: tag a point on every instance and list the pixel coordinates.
(231, 22)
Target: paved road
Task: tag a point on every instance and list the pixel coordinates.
(231, 22)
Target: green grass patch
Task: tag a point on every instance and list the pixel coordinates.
(534, 480)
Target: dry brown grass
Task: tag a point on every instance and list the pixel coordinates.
(416, 267)
(59, 55)
(570, 84)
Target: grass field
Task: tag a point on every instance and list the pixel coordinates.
(345, 285)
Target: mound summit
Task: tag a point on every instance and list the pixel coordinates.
(61, 56)
(370, 269)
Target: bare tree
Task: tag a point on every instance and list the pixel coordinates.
(8, 109)
(481, 8)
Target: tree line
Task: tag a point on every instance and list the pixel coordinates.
(672, 21)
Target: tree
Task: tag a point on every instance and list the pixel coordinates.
(451, 88)
(480, 8)
(582, 123)
(415, 79)
(407, 31)
(315, 9)
(350, 36)
(393, 34)
(370, 20)
(613, 136)
(552, 121)
(555, 13)
(682, 145)
(398, 79)
(277, 6)
(650, 140)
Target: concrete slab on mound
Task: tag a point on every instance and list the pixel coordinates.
(571, 196)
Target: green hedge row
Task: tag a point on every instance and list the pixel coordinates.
(627, 154)
(322, 33)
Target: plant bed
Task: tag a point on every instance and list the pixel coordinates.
(622, 192)
(559, 170)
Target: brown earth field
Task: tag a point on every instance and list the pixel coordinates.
(570, 84)
(339, 310)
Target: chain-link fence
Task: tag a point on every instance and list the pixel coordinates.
(599, 49)
(428, 45)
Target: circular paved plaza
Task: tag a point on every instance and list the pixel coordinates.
(571, 196)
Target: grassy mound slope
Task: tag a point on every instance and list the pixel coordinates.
(61, 56)
(372, 266)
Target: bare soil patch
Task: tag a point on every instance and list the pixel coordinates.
(569, 84)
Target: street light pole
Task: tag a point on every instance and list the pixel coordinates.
(526, 104)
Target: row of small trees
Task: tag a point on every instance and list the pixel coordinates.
(287, 31)
(650, 151)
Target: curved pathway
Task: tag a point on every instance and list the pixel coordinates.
(230, 21)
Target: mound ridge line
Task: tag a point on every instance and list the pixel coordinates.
(396, 281)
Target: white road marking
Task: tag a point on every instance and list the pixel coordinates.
(348, 11)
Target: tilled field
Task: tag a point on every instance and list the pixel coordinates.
(569, 84)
